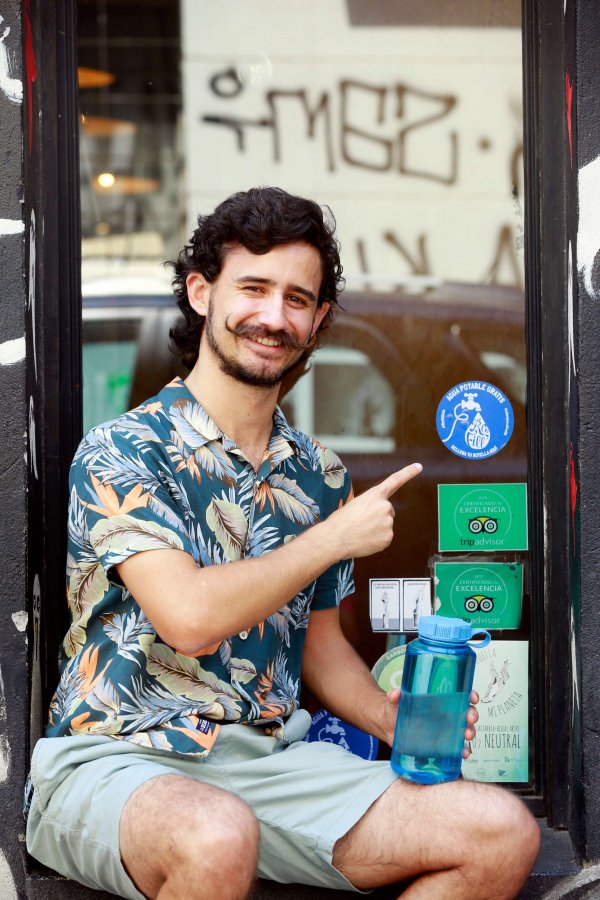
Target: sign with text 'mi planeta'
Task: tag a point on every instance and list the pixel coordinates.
(500, 750)
(482, 517)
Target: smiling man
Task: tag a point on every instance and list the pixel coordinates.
(276, 314)
(210, 545)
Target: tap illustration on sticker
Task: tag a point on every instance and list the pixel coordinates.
(475, 420)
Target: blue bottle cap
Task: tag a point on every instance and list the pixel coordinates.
(454, 631)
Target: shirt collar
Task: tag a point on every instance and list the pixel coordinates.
(196, 428)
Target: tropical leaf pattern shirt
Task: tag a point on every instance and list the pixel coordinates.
(164, 476)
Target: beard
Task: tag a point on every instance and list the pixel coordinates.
(238, 370)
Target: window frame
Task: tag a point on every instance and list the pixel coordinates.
(52, 179)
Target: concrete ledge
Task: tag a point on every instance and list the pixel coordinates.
(583, 886)
(555, 876)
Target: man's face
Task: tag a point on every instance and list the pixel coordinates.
(261, 312)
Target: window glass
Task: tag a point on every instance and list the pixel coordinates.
(344, 401)
(406, 119)
(410, 129)
(129, 61)
(109, 366)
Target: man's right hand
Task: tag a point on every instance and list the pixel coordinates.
(365, 525)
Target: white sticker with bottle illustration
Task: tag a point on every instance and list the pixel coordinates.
(397, 604)
(475, 420)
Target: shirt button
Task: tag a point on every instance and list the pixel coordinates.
(243, 635)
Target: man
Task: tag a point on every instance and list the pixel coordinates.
(209, 547)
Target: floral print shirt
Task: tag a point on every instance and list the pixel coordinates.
(161, 476)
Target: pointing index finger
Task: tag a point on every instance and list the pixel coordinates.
(395, 481)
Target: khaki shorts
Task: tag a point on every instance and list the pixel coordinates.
(304, 795)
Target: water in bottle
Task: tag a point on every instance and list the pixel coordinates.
(436, 684)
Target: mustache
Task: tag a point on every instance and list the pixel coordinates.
(256, 331)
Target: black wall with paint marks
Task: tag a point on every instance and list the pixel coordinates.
(40, 351)
(13, 467)
(587, 354)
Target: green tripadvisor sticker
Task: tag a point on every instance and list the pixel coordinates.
(487, 594)
(482, 517)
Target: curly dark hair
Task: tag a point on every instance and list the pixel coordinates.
(258, 219)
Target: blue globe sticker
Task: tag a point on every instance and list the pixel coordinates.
(475, 420)
(326, 727)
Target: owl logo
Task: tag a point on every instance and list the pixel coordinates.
(483, 523)
(479, 602)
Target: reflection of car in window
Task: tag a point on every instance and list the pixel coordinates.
(345, 402)
(370, 393)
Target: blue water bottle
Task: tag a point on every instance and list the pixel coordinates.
(436, 684)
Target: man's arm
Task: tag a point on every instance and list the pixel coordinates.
(193, 608)
(339, 679)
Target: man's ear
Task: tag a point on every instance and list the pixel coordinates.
(198, 289)
(320, 314)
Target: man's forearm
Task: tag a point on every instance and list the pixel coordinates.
(193, 608)
(339, 679)
(357, 699)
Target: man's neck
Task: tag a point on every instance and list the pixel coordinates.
(242, 412)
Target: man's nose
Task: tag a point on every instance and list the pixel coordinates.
(272, 313)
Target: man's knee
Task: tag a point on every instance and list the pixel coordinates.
(228, 832)
(507, 838)
(177, 831)
(512, 823)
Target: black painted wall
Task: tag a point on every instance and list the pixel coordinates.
(40, 353)
(586, 105)
(13, 416)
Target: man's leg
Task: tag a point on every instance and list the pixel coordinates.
(183, 839)
(456, 840)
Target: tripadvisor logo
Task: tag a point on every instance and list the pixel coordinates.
(479, 603)
(483, 523)
(482, 517)
(479, 591)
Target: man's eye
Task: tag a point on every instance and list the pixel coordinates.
(300, 301)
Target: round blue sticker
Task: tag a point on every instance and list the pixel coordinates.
(326, 727)
(475, 420)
